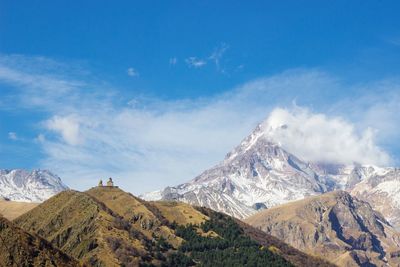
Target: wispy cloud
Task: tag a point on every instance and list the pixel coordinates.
(195, 62)
(148, 143)
(13, 136)
(217, 55)
(132, 72)
(393, 40)
(215, 58)
(173, 61)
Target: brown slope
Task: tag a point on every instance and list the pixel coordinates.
(162, 213)
(141, 215)
(18, 248)
(12, 209)
(335, 226)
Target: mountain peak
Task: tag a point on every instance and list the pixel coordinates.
(262, 133)
(29, 186)
(258, 173)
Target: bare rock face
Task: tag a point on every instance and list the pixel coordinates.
(334, 226)
(382, 191)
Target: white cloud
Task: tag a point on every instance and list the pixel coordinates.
(132, 72)
(41, 138)
(317, 137)
(12, 136)
(149, 143)
(67, 127)
(215, 57)
(195, 62)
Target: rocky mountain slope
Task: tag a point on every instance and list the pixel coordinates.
(34, 186)
(335, 226)
(18, 248)
(381, 188)
(261, 174)
(106, 226)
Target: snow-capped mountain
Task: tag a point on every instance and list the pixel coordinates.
(260, 174)
(35, 186)
(381, 188)
(255, 175)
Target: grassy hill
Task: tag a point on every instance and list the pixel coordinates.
(18, 248)
(108, 227)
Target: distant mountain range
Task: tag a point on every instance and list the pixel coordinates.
(260, 174)
(29, 186)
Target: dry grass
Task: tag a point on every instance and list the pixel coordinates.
(144, 217)
(181, 213)
(19, 248)
(79, 225)
(13, 209)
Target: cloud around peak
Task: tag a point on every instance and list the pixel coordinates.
(316, 137)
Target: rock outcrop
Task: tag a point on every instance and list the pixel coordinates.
(335, 226)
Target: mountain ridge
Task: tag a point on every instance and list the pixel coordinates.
(260, 173)
(131, 232)
(29, 186)
(335, 226)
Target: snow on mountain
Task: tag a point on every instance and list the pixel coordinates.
(34, 186)
(381, 188)
(260, 174)
(255, 175)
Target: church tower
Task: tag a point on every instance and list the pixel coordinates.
(110, 182)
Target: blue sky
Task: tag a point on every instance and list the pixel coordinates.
(154, 92)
